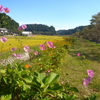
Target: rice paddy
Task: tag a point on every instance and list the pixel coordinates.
(20, 41)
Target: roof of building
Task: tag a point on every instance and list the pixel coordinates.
(26, 32)
(3, 29)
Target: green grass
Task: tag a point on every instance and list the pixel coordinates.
(75, 67)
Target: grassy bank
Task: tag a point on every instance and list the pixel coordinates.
(75, 67)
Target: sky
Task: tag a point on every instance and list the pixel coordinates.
(62, 14)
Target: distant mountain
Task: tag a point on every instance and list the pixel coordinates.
(70, 31)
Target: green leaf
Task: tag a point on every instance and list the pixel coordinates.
(28, 79)
(6, 97)
(2, 71)
(51, 78)
(5, 79)
(25, 72)
(9, 70)
(40, 78)
(69, 97)
(56, 87)
(73, 89)
(25, 87)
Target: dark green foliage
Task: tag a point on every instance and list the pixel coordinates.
(9, 23)
(92, 31)
(19, 83)
(41, 29)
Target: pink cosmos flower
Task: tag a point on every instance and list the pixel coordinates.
(36, 53)
(50, 44)
(42, 47)
(26, 48)
(90, 73)
(54, 47)
(78, 54)
(3, 39)
(19, 56)
(62, 82)
(13, 49)
(49, 71)
(1, 8)
(14, 55)
(6, 10)
(24, 26)
(20, 28)
(87, 81)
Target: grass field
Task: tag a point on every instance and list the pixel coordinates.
(74, 68)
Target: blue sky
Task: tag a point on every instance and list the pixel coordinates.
(62, 14)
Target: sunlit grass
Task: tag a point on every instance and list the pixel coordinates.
(75, 67)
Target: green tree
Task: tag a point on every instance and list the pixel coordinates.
(9, 23)
(95, 19)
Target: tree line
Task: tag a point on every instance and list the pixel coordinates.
(70, 31)
(41, 29)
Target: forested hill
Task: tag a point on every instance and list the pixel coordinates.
(8, 22)
(41, 29)
(92, 31)
(71, 31)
